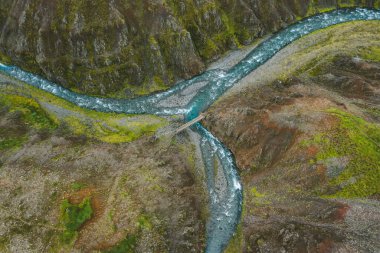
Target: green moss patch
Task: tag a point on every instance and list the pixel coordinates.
(372, 54)
(26, 113)
(126, 246)
(4, 58)
(51, 110)
(77, 186)
(359, 141)
(32, 113)
(144, 222)
(73, 217)
(330, 43)
(12, 142)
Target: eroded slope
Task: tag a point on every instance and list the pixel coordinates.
(307, 145)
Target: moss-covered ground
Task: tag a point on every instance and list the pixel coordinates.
(42, 110)
(359, 141)
(73, 217)
(24, 112)
(126, 246)
(372, 53)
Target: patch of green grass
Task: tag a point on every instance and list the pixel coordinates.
(314, 10)
(73, 217)
(328, 39)
(125, 246)
(12, 142)
(109, 130)
(257, 198)
(358, 140)
(77, 186)
(313, 68)
(256, 194)
(32, 112)
(316, 7)
(150, 86)
(372, 54)
(128, 245)
(144, 222)
(210, 49)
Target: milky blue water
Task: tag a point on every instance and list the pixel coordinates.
(226, 205)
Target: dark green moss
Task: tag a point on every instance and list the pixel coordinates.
(128, 245)
(12, 142)
(73, 217)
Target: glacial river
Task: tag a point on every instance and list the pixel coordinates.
(191, 97)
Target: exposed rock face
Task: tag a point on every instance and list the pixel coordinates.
(136, 47)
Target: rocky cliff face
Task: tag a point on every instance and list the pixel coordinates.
(124, 48)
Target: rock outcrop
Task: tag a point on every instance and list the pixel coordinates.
(124, 48)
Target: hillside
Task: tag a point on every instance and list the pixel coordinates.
(304, 129)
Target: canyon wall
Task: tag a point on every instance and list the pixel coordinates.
(126, 48)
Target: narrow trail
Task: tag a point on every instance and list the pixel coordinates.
(192, 97)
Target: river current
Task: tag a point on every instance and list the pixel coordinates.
(225, 192)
